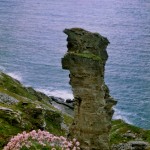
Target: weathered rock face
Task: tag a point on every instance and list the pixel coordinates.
(85, 59)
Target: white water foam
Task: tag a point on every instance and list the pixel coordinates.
(57, 93)
(121, 115)
(2, 68)
(66, 95)
(15, 75)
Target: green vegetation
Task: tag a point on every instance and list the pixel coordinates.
(67, 119)
(122, 132)
(12, 87)
(7, 131)
(87, 55)
(32, 111)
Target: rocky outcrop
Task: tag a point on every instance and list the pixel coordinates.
(132, 145)
(14, 86)
(67, 103)
(85, 59)
(6, 99)
(124, 136)
(11, 116)
(24, 109)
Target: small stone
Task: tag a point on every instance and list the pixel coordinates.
(129, 135)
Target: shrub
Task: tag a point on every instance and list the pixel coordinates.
(41, 139)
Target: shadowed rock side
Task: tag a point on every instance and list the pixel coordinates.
(85, 59)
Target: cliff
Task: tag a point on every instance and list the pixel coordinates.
(24, 109)
(85, 59)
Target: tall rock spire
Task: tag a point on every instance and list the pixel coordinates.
(85, 59)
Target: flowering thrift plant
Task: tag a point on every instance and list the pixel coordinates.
(41, 139)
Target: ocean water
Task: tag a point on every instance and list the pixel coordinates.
(32, 44)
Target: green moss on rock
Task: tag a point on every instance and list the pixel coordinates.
(87, 55)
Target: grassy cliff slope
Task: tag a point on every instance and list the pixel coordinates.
(23, 108)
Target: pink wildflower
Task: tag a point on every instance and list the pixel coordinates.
(43, 138)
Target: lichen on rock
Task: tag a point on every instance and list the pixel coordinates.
(85, 59)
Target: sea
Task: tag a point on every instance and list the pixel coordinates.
(32, 44)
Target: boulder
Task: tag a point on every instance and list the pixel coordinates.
(62, 102)
(132, 145)
(6, 99)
